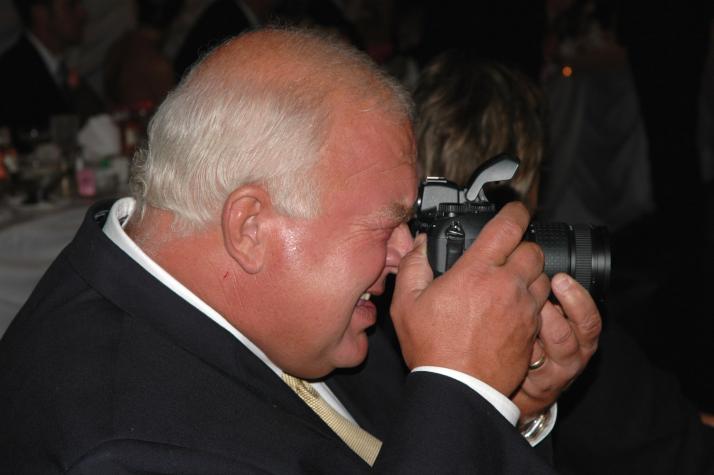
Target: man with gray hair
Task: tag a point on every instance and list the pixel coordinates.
(219, 321)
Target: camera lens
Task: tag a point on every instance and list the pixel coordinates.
(580, 250)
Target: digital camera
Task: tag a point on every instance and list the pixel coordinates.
(453, 217)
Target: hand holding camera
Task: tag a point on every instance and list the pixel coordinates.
(454, 217)
(488, 316)
(568, 338)
(481, 317)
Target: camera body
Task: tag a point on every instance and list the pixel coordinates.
(452, 217)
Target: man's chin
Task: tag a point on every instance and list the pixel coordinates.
(348, 354)
(354, 353)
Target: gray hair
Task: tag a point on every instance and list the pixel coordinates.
(242, 120)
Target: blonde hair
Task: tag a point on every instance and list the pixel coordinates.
(469, 111)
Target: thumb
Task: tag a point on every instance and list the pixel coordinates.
(414, 273)
(580, 309)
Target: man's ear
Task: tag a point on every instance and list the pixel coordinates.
(244, 224)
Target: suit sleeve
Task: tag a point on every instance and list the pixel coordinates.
(442, 426)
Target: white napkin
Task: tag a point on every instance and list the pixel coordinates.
(100, 138)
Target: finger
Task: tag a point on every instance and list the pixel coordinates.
(527, 261)
(541, 387)
(580, 308)
(540, 290)
(537, 356)
(500, 236)
(414, 273)
(558, 336)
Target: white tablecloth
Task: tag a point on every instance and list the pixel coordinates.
(26, 251)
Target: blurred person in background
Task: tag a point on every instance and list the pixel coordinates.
(624, 153)
(621, 415)
(666, 43)
(507, 30)
(598, 169)
(219, 21)
(136, 69)
(36, 82)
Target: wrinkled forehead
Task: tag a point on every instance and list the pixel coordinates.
(370, 157)
(365, 136)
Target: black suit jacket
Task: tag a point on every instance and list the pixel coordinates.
(29, 96)
(29, 93)
(105, 370)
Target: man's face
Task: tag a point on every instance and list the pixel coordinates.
(323, 267)
(67, 19)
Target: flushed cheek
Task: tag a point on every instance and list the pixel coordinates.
(374, 270)
(338, 318)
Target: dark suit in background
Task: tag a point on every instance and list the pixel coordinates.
(625, 416)
(105, 370)
(29, 94)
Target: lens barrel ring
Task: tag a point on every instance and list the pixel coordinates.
(583, 270)
(580, 250)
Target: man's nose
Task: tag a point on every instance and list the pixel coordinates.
(399, 244)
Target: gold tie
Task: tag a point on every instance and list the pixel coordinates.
(359, 440)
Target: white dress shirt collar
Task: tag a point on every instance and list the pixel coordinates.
(114, 229)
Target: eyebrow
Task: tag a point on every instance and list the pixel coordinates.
(396, 213)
